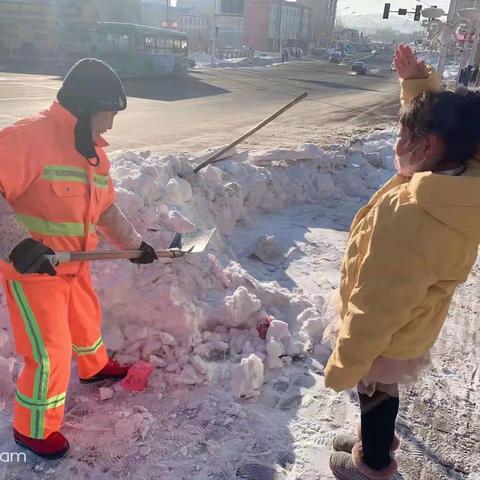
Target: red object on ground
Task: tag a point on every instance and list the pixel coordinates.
(111, 371)
(54, 446)
(262, 327)
(137, 377)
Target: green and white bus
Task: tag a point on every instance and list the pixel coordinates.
(142, 51)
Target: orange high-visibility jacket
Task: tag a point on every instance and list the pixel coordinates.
(55, 193)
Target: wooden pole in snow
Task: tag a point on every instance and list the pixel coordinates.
(216, 157)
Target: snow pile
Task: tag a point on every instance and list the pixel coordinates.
(203, 60)
(195, 318)
(254, 61)
(189, 315)
(237, 388)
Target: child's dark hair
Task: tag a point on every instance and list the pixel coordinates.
(455, 117)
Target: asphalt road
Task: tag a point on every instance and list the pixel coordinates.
(213, 106)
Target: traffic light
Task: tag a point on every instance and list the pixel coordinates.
(386, 10)
(402, 11)
(418, 11)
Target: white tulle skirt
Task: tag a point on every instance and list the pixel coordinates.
(385, 373)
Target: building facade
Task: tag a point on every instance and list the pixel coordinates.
(323, 20)
(156, 13)
(257, 24)
(230, 31)
(204, 7)
(350, 35)
(198, 29)
(57, 30)
(271, 25)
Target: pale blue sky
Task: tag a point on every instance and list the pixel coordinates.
(366, 7)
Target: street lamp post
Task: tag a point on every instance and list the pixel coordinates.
(446, 33)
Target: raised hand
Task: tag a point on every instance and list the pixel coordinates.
(407, 65)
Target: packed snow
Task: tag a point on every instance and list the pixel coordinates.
(231, 340)
(203, 60)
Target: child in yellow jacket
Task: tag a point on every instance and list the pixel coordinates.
(408, 249)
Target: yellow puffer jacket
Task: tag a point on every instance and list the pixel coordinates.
(412, 88)
(408, 249)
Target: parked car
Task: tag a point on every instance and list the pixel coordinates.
(360, 68)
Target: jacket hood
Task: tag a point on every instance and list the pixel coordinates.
(452, 200)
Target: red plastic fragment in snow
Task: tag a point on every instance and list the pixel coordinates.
(262, 327)
(137, 377)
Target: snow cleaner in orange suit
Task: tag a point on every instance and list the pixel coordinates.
(55, 192)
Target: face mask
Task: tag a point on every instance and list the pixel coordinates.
(403, 162)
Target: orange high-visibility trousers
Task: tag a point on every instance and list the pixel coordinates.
(50, 317)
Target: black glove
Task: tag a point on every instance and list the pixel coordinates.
(149, 255)
(28, 257)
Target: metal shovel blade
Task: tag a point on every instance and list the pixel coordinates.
(195, 242)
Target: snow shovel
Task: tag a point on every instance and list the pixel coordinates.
(182, 244)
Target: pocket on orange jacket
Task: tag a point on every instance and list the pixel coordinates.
(69, 189)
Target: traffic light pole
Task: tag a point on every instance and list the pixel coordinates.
(402, 11)
(446, 37)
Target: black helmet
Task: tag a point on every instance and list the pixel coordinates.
(90, 86)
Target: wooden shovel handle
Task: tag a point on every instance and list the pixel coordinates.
(216, 157)
(93, 255)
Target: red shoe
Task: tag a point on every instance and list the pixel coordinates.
(111, 371)
(54, 446)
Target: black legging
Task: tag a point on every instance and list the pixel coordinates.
(378, 415)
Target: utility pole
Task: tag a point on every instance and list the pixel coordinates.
(279, 26)
(473, 53)
(446, 37)
(214, 41)
(168, 13)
